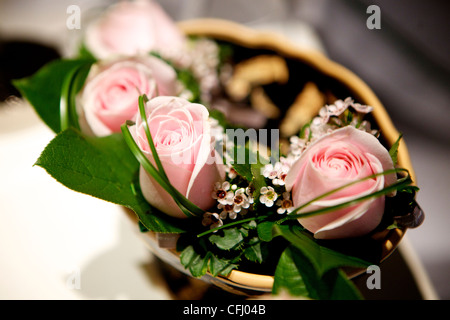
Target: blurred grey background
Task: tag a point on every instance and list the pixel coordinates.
(406, 63)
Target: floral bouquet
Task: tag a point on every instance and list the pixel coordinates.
(143, 117)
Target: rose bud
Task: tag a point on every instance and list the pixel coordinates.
(130, 28)
(181, 134)
(111, 91)
(332, 161)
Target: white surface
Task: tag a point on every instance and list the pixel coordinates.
(50, 234)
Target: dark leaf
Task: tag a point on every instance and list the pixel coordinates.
(43, 89)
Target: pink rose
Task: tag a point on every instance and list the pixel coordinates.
(110, 94)
(181, 134)
(336, 159)
(130, 28)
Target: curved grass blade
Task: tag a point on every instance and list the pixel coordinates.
(326, 194)
(401, 183)
(142, 100)
(188, 208)
(72, 84)
(175, 193)
(65, 101)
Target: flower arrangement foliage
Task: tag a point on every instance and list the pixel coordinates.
(135, 125)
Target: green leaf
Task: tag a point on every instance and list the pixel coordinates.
(190, 82)
(251, 225)
(142, 228)
(256, 250)
(187, 256)
(225, 52)
(243, 168)
(219, 116)
(228, 225)
(298, 276)
(393, 151)
(249, 165)
(43, 89)
(265, 231)
(287, 276)
(220, 266)
(339, 287)
(194, 262)
(85, 53)
(322, 258)
(230, 239)
(258, 179)
(198, 261)
(104, 168)
(199, 266)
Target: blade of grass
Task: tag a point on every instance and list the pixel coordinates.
(401, 183)
(65, 101)
(148, 166)
(142, 100)
(184, 204)
(176, 194)
(326, 194)
(71, 85)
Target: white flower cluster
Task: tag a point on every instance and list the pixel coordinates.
(231, 201)
(201, 57)
(332, 116)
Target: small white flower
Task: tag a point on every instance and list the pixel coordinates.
(206, 221)
(285, 204)
(216, 224)
(288, 161)
(297, 145)
(227, 211)
(240, 200)
(268, 196)
(269, 171)
(222, 194)
(359, 107)
(318, 128)
(277, 173)
(249, 192)
(338, 107)
(212, 220)
(231, 172)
